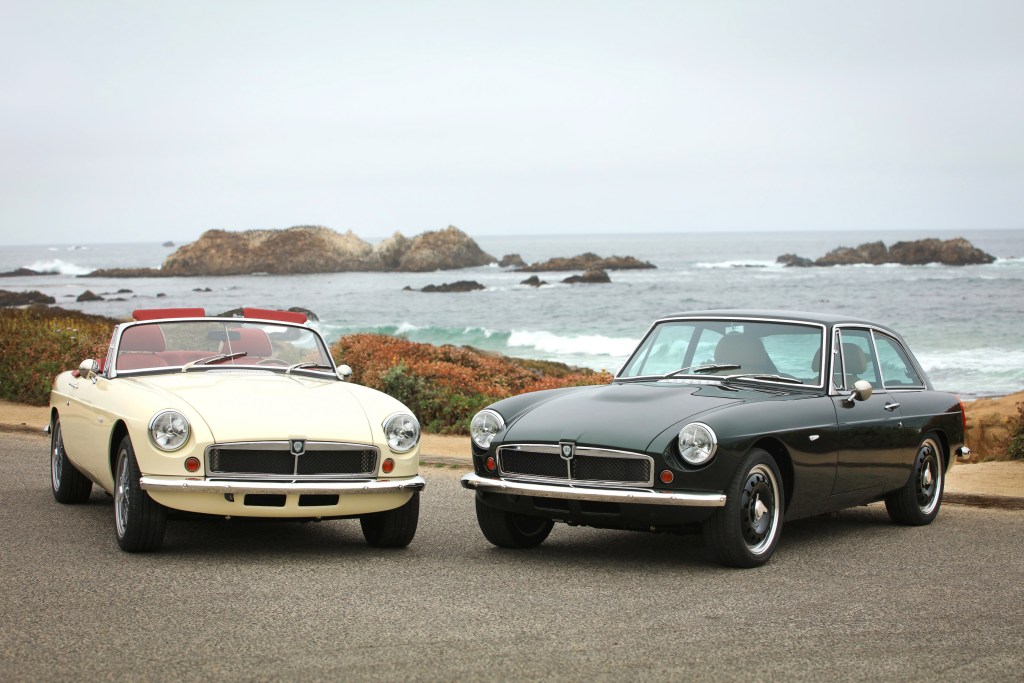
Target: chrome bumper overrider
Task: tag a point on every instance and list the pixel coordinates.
(574, 492)
(299, 488)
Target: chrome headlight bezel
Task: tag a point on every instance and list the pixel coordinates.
(401, 431)
(697, 443)
(169, 430)
(484, 426)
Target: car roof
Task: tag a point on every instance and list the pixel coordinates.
(769, 314)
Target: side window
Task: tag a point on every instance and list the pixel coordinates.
(897, 370)
(858, 357)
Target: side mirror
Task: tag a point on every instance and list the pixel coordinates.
(861, 392)
(344, 372)
(89, 369)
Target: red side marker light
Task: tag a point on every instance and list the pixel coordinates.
(388, 466)
(490, 464)
(192, 464)
(666, 476)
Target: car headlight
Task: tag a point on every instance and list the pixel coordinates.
(169, 430)
(485, 425)
(402, 432)
(697, 443)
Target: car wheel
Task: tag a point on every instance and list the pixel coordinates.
(68, 484)
(745, 532)
(392, 528)
(917, 503)
(509, 530)
(138, 520)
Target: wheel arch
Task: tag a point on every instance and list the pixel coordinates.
(943, 444)
(119, 431)
(783, 461)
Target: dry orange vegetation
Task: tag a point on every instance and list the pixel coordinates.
(446, 385)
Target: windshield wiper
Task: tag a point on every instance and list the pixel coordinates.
(210, 360)
(771, 378)
(698, 369)
(304, 366)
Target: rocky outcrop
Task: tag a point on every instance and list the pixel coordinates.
(20, 272)
(587, 261)
(591, 276)
(459, 286)
(952, 252)
(24, 298)
(126, 272)
(89, 295)
(533, 281)
(511, 261)
(447, 249)
(314, 249)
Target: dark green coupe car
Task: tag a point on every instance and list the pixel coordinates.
(733, 420)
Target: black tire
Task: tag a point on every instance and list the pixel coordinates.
(746, 531)
(509, 530)
(69, 486)
(392, 528)
(139, 521)
(917, 503)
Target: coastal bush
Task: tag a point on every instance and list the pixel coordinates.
(1015, 449)
(37, 344)
(446, 385)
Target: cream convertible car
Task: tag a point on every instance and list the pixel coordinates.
(238, 417)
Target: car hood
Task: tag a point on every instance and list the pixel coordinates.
(624, 416)
(253, 406)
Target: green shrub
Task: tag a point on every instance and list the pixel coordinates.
(37, 344)
(1015, 449)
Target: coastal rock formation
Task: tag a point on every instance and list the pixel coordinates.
(991, 424)
(587, 261)
(20, 272)
(591, 276)
(511, 261)
(314, 249)
(952, 252)
(126, 272)
(24, 298)
(459, 286)
(447, 249)
(89, 295)
(533, 281)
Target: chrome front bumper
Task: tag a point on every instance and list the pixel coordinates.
(243, 487)
(575, 492)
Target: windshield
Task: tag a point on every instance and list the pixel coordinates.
(214, 343)
(772, 351)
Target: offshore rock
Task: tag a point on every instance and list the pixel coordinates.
(533, 281)
(952, 252)
(459, 286)
(20, 272)
(126, 272)
(447, 249)
(587, 261)
(315, 249)
(89, 295)
(591, 276)
(511, 261)
(24, 298)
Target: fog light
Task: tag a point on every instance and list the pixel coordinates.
(490, 464)
(192, 464)
(388, 466)
(666, 476)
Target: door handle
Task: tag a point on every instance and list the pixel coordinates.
(891, 406)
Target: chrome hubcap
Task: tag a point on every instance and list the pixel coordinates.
(121, 495)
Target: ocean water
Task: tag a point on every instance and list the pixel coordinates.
(965, 324)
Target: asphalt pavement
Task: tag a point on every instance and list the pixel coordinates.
(848, 596)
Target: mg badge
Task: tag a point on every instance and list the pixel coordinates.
(298, 447)
(568, 450)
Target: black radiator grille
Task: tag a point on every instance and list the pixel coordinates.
(277, 460)
(586, 465)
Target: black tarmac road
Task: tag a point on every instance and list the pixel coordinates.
(848, 596)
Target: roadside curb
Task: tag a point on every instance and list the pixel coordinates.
(984, 501)
(22, 428)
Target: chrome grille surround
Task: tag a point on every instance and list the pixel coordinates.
(593, 466)
(274, 460)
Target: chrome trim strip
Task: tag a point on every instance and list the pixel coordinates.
(634, 496)
(590, 451)
(416, 483)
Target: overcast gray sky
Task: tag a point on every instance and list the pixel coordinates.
(141, 121)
